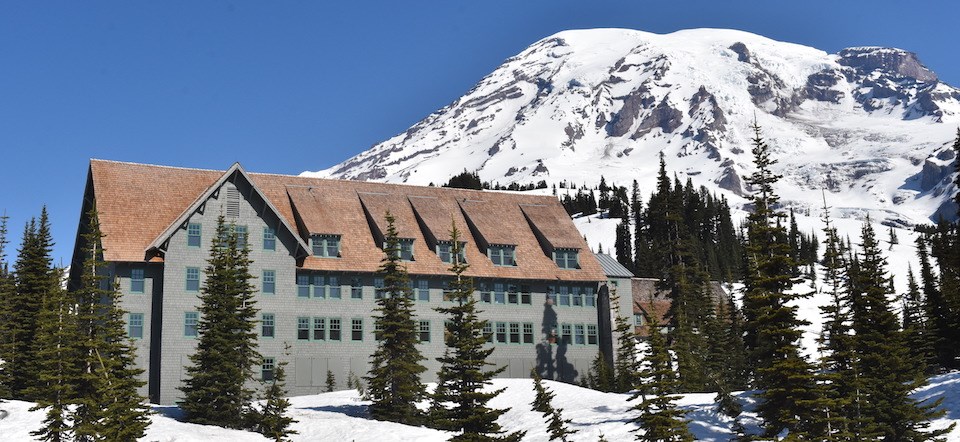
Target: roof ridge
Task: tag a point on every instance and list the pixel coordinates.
(162, 166)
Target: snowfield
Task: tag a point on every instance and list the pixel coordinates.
(341, 416)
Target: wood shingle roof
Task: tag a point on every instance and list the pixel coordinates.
(138, 202)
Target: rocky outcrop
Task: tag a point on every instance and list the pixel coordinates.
(664, 116)
(820, 87)
(743, 54)
(894, 61)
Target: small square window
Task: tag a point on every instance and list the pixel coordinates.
(303, 328)
(193, 234)
(319, 288)
(513, 295)
(137, 281)
(334, 329)
(269, 239)
(267, 369)
(190, 320)
(445, 252)
(193, 279)
(356, 329)
(267, 325)
(135, 325)
(566, 258)
(319, 329)
(269, 282)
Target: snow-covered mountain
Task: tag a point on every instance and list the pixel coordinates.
(872, 126)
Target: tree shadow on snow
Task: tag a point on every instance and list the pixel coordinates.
(348, 410)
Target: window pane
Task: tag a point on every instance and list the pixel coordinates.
(334, 329)
(485, 295)
(378, 288)
(193, 279)
(591, 334)
(513, 297)
(528, 333)
(193, 235)
(579, 337)
(564, 295)
(303, 286)
(269, 282)
(333, 247)
(319, 329)
(334, 283)
(502, 332)
(499, 296)
(424, 331)
(269, 239)
(135, 327)
(488, 331)
(356, 329)
(590, 300)
(266, 370)
(577, 300)
(356, 289)
(241, 232)
(514, 333)
(423, 290)
(267, 325)
(319, 288)
(525, 295)
(136, 281)
(190, 323)
(566, 334)
(303, 328)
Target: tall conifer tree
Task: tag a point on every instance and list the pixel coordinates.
(216, 390)
(7, 292)
(393, 383)
(660, 419)
(557, 426)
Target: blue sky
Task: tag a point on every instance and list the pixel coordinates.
(290, 86)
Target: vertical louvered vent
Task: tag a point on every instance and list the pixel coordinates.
(232, 203)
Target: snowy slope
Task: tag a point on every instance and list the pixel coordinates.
(340, 416)
(870, 125)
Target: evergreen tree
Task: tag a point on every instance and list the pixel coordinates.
(463, 373)
(937, 315)
(34, 278)
(216, 390)
(660, 419)
(272, 420)
(543, 403)
(626, 366)
(888, 374)
(623, 247)
(7, 291)
(58, 370)
(331, 382)
(394, 384)
(601, 376)
(108, 405)
(914, 326)
(772, 325)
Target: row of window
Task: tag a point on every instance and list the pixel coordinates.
(269, 239)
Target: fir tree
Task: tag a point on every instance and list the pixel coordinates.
(887, 372)
(216, 390)
(935, 309)
(772, 325)
(622, 246)
(601, 376)
(7, 291)
(463, 374)
(272, 420)
(34, 278)
(914, 326)
(108, 405)
(393, 384)
(625, 367)
(557, 426)
(660, 419)
(331, 382)
(58, 370)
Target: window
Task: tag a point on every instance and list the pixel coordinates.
(564, 296)
(319, 288)
(135, 325)
(566, 334)
(269, 239)
(334, 329)
(424, 331)
(527, 333)
(193, 234)
(591, 334)
(325, 246)
(513, 295)
(266, 370)
(303, 286)
(405, 246)
(356, 329)
(488, 331)
(485, 295)
(190, 320)
(319, 329)
(514, 333)
(193, 279)
(241, 232)
(525, 295)
(499, 296)
(267, 325)
(423, 290)
(448, 294)
(577, 299)
(334, 287)
(589, 299)
(377, 288)
(502, 332)
(356, 289)
(445, 252)
(269, 282)
(136, 281)
(637, 319)
(502, 255)
(377, 330)
(303, 328)
(578, 335)
(566, 258)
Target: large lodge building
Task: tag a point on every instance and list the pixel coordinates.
(316, 245)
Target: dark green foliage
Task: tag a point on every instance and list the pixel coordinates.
(58, 370)
(660, 419)
(914, 327)
(601, 375)
(623, 245)
(543, 403)
(7, 291)
(34, 279)
(331, 381)
(583, 202)
(393, 384)
(465, 180)
(626, 367)
(272, 420)
(108, 406)
(772, 326)
(463, 372)
(215, 389)
(885, 367)
(938, 314)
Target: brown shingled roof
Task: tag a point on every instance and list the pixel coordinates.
(138, 202)
(549, 221)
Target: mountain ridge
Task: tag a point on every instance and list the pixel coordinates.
(871, 125)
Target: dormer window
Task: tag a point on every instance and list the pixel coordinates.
(325, 246)
(445, 252)
(405, 246)
(502, 255)
(566, 258)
